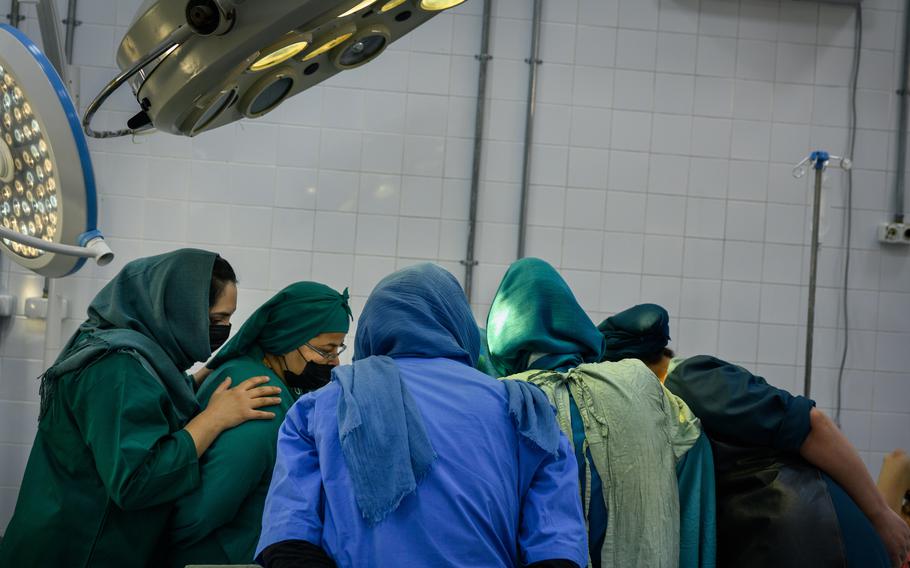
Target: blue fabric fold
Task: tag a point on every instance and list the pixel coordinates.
(384, 441)
(417, 312)
(533, 415)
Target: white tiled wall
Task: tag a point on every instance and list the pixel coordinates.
(666, 135)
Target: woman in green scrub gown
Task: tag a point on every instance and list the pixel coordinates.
(294, 339)
(119, 432)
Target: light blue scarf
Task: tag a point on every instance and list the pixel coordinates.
(418, 312)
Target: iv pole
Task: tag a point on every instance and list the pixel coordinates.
(819, 161)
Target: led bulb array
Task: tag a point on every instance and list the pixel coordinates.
(28, 191)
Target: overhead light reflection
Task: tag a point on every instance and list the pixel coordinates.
(391, 5)
(279, 55)
(360, 6)
(327, 46)
(437, 5)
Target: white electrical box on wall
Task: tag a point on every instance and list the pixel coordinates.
(894, 233)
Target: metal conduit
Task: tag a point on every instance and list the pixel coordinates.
(903, 93)
(479, 119)
(71, 22)
(50, 35)
(534, 61)
(14, 15)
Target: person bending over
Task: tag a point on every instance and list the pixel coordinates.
(294, 339)
(411, 457)
(119, 432)
(627, 435)
(791, 490)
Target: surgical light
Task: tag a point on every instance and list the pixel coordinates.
(47, 187)
(196, 65)
(437, 5)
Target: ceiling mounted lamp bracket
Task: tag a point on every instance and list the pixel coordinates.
(197, 65)
(203, 18)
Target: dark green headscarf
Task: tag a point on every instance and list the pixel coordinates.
(635, 333)
(290, 318)
(156, 307)
(535, 322)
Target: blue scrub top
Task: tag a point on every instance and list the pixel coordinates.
(491, 499)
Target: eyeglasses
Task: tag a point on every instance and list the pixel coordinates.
(328, 356)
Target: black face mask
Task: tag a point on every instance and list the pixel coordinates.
(314, 376)
(218, 335)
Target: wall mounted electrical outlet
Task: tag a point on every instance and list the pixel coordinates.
(894, 233)
(36, 308)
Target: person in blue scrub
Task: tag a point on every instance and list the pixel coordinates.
(411, 457)
(791, 490)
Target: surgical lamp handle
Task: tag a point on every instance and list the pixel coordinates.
(173, 40)
(94, 248)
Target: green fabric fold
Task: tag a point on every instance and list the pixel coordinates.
(155, 307)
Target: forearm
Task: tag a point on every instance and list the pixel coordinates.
(204, 429)
(828, 449)
(169, 472)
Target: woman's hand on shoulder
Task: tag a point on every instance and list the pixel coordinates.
(232, 406)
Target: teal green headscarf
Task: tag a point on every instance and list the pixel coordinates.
(638, 332)
(535, 322)
(290, 318)
(156, 307)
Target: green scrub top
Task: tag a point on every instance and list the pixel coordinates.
(220, 522)
(109, 460)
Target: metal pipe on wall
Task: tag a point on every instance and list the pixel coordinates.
(14, 15)
(50, 35)
(479, 119)
(71, 22)
(903, 94)
(534, 61)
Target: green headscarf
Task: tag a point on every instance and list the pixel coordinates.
(535, 322)
(290, 318)
(635, 333)
(155, 307)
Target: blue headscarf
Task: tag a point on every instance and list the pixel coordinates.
(638, 332)
(535, 322)
(418, 312)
